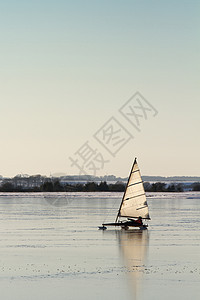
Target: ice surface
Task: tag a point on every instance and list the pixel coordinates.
(51, 248)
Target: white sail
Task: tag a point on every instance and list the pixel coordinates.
(134, 203)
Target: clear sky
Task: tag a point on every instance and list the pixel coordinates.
(67, 67)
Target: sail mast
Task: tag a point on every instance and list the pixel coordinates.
(135, 160)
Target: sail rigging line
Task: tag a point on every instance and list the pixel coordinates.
(108, 211)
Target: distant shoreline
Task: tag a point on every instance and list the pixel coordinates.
(56, 186)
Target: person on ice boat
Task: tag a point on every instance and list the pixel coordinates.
(137, 222)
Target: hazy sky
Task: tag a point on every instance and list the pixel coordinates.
(67, 67)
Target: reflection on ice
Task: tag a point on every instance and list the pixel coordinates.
(134, 246)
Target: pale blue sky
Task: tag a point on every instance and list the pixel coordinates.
(67, 67)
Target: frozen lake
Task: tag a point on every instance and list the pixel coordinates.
(51, 248)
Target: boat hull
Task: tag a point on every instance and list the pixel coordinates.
(125, 225)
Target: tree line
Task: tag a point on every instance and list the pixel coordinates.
(56, 186)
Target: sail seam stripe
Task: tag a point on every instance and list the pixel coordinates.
(134, 197)
(134, 183)
(133, 217)
(135, 171)
(141, 207)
